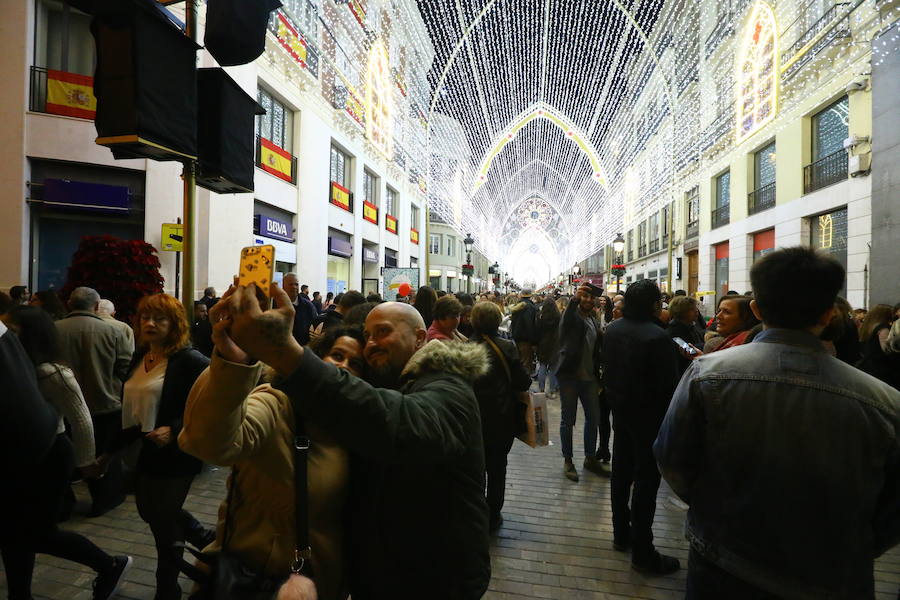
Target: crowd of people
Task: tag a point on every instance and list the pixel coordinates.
(777, 421)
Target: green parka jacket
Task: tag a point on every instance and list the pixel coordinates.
(419, 525)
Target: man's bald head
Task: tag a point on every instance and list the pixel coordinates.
(399, 313)
(394, 332)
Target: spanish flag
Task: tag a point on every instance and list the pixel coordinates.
(370, 212)
(390, 223)
(70, 94)
(414, 236)
(275, 160)
(340, 196)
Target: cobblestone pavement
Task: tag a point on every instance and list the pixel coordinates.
(556, 541)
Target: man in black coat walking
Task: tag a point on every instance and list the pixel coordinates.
(641, 374)
(524, 330)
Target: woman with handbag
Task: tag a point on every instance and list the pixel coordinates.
(162, 373)
(498, 395)
(230, 420)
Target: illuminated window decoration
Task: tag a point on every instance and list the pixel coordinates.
(534, 212)
(379, 89)
(756, 73)
(826, 231)
(541, 111)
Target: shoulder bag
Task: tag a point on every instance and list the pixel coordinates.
(227, 577)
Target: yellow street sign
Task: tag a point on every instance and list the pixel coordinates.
(173, 237)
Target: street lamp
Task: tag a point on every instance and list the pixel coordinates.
(468, 270)
(618, 269)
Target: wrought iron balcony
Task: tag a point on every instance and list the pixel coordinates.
(825, 171)
(761, 199)
(835, 12)
(721, 216)
(693, 230)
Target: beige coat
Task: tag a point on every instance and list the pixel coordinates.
(228, 421)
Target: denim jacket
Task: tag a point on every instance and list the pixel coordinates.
(790, 461)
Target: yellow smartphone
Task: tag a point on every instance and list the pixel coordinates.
(257, 266)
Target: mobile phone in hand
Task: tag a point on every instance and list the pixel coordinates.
(258, 267)
(684, 346)
(595, 289)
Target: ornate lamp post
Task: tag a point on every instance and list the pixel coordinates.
(468, 269)
(618, 269)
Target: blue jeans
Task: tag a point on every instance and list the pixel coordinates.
(570, 391)
(543, 372)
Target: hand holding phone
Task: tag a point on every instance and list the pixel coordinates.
(685, 347)
(596, 290)
(258, 267)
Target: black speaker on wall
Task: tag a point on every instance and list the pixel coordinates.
(225, 133)
(145, 81)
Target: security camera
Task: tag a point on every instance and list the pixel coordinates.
(855, 140)
(857, 85)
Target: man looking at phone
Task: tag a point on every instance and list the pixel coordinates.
(788, 457)
(640, 375)
(420, 519)
(304, 311)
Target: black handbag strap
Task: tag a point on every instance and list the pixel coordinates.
(500, 356)
(302, 550)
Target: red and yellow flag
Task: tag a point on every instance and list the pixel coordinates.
(390, 223)
(370, 212)
(275, 160)
(340, 196)
(414, 236)
(70, 94)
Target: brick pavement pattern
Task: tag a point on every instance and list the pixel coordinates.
(556, 541)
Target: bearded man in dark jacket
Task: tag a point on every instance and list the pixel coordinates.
(420, 520)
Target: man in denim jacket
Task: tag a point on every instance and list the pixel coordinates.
(788, 457)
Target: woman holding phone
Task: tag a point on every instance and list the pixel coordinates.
(163, 371)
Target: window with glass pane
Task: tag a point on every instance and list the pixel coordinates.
(450, 245)
(370, 187)
(828, 233)
(830, 128)
(764, 166)
(693, 204)
(653, 226)
(276, 124)
(723, 189)
(63, 39)
(340, 167)
(434, 243)
(390, 198)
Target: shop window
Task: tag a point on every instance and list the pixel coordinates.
(828, 233)
(277, 124)
(763, 243)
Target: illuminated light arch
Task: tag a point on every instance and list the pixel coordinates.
(379, 124)
(756, 73)
(510, 213)
(540, 110)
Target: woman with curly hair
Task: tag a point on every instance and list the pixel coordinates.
(162, 373)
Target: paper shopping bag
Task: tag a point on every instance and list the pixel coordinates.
(536, 428)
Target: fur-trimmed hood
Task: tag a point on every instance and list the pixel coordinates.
(522, 304)
(458, 358)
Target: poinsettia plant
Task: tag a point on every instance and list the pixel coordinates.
(123, 271)
(617, 270)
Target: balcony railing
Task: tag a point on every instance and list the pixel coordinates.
(761, 199)
(37, 101)
(73, 95)
(654, 246)
(275, 169)
(693, 230)
(825, 171)
(721, 216)
(838, 9)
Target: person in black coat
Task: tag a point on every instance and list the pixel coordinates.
(641, 373)
(577, 370)
(497, 393)
(523, 328)
(161, 376)
(683, 311)
(304, 311)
